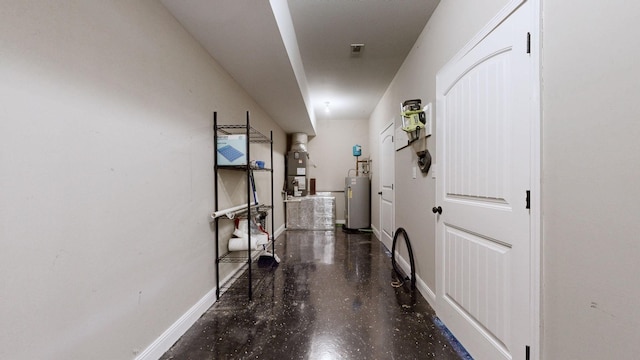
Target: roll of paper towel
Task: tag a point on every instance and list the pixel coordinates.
(239, 244)
(262, 237)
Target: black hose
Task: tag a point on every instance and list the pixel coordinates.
(393, 256)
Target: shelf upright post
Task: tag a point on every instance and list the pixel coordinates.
(215, 196)
(248, 143)
(273, 236)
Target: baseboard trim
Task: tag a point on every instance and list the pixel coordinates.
(426, 292)
(423, 288)
(279, 231)
(376, 232)
(178, 328)
(341, 222)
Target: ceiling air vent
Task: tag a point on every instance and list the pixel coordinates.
(356, 49)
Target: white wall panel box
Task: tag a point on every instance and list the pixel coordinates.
(231, 150)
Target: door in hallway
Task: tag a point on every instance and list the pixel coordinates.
(483, 147)
(387, 170)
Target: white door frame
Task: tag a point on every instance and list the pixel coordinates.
(535, 156)
(536, 179)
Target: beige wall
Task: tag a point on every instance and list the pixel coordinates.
(591, 167)
(332, 156)
(453, 23)
(106, 175)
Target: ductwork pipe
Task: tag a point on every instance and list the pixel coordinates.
(299, 142)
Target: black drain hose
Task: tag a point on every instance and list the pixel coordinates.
(393, 256)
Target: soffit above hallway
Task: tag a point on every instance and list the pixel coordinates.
(293, 57)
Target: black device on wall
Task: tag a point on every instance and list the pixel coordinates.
(424, 161)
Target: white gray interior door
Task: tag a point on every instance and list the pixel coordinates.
(483, 251)
(387, 170)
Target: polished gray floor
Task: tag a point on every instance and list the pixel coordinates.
(329, 298)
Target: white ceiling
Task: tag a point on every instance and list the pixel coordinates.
(293, 56)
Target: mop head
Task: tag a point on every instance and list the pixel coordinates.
(268, 260)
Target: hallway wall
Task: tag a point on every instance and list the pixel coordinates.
(106, 175)
(591, 201)
(332, 156)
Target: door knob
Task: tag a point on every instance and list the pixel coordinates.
(437, 210)
(379, 192)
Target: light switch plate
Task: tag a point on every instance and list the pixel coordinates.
(428, 129)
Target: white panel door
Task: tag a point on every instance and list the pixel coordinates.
(387, 171)
(483, 151)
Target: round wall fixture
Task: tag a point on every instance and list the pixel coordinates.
(424, 161)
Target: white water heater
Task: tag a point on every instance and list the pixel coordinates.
(357, 191)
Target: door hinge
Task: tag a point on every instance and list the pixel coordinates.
(528, 43)
(391, 186)
(527, 352)
(528, 199)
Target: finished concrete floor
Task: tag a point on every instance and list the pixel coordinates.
(329, 298)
